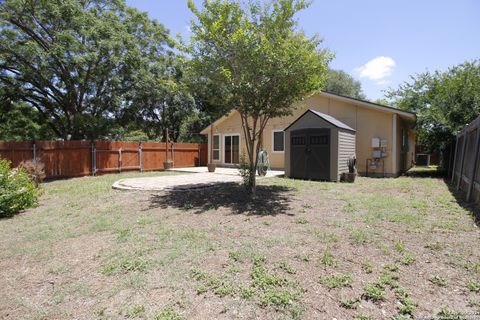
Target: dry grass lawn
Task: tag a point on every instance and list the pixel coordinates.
(376, 249)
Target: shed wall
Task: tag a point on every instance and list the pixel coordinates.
(346, 149)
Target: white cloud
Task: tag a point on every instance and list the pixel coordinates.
(377, 69)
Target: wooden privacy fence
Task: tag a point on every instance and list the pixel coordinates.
(65, 159)
(466, 171)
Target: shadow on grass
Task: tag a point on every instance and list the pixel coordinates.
(472, 207)
(268, 200)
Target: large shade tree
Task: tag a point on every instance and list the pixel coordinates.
(445, 101)
(340, 82)
(257, 60)
(77, 61)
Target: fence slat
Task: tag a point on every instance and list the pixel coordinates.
(466, 161)
(65, 159)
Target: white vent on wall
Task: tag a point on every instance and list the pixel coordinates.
(375, 142)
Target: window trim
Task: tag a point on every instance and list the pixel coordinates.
(273, 140)
(218, 149)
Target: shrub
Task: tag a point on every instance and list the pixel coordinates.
(17, 191)
(35, 170)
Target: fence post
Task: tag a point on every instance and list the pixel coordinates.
(475, 163)
(455, 159)
(120, 160)
(140, 156)
(464, 144)
(34, 148)
(94, 158)
(173, 154)
(199, 155)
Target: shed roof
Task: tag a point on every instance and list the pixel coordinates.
(333, 121)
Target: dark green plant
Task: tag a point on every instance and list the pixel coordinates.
(17, 190)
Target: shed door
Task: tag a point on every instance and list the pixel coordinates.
(310, 154)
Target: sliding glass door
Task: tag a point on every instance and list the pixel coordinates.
(232, 149)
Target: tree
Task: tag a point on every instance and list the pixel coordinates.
(340, 82)
(161, 100)
(77, 61)
(444, 102)
(258, 62)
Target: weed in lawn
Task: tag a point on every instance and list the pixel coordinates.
(390, 278)
(407, 258)
(307, 206)
(363, 317)
(350, 303)
(447, 313)
(327, 259)
(286, 267)
(246, 292)
(329, 237)
(123, 234)
(337, 281)
(276, 291)
(301, 220)
(399, 246)
(125, 264)
(472, 267)
(235, 256)
(367, 266)
(360, 237)
(201, 289)
(219, 285)
(136, 311)
(438, 281)
(436, 246)
(267, 223)
(374, 292)
(473, 286)
(168, 314)
(303, 257)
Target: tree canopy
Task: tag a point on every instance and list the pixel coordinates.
(78, 62)
(445, 101)
(258, 61)
(340, 82)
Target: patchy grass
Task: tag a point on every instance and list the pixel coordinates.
(376, 249)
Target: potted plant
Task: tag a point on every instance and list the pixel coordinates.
(211, 167)
(352, 170)
(168, 164)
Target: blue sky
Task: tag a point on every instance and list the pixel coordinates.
(379, 42)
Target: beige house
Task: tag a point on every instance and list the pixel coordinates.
(385, 136)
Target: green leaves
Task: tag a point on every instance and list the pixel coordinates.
(444, 101)
(250, 57)
(77, 63)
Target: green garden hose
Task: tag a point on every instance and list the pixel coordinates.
(263, 164)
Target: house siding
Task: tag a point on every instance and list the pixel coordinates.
(367, 122)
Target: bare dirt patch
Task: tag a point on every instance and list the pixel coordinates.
(379, 248)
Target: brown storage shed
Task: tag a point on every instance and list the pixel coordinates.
(317, 147)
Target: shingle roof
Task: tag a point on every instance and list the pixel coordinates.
(337, 123)
(333, 121)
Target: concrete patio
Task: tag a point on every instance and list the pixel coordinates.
(194, 178)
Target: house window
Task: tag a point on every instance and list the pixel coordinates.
(216, 147)
(278, 144)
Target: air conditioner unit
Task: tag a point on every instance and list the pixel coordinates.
(375, 142)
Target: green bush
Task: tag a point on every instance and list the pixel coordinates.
(17, 190)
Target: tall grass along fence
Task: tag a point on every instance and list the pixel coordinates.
(64, 159)
(466, 164)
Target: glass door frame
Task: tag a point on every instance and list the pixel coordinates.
(231, 147)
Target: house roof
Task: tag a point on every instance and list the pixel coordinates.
(333, 121)
(406, 114)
